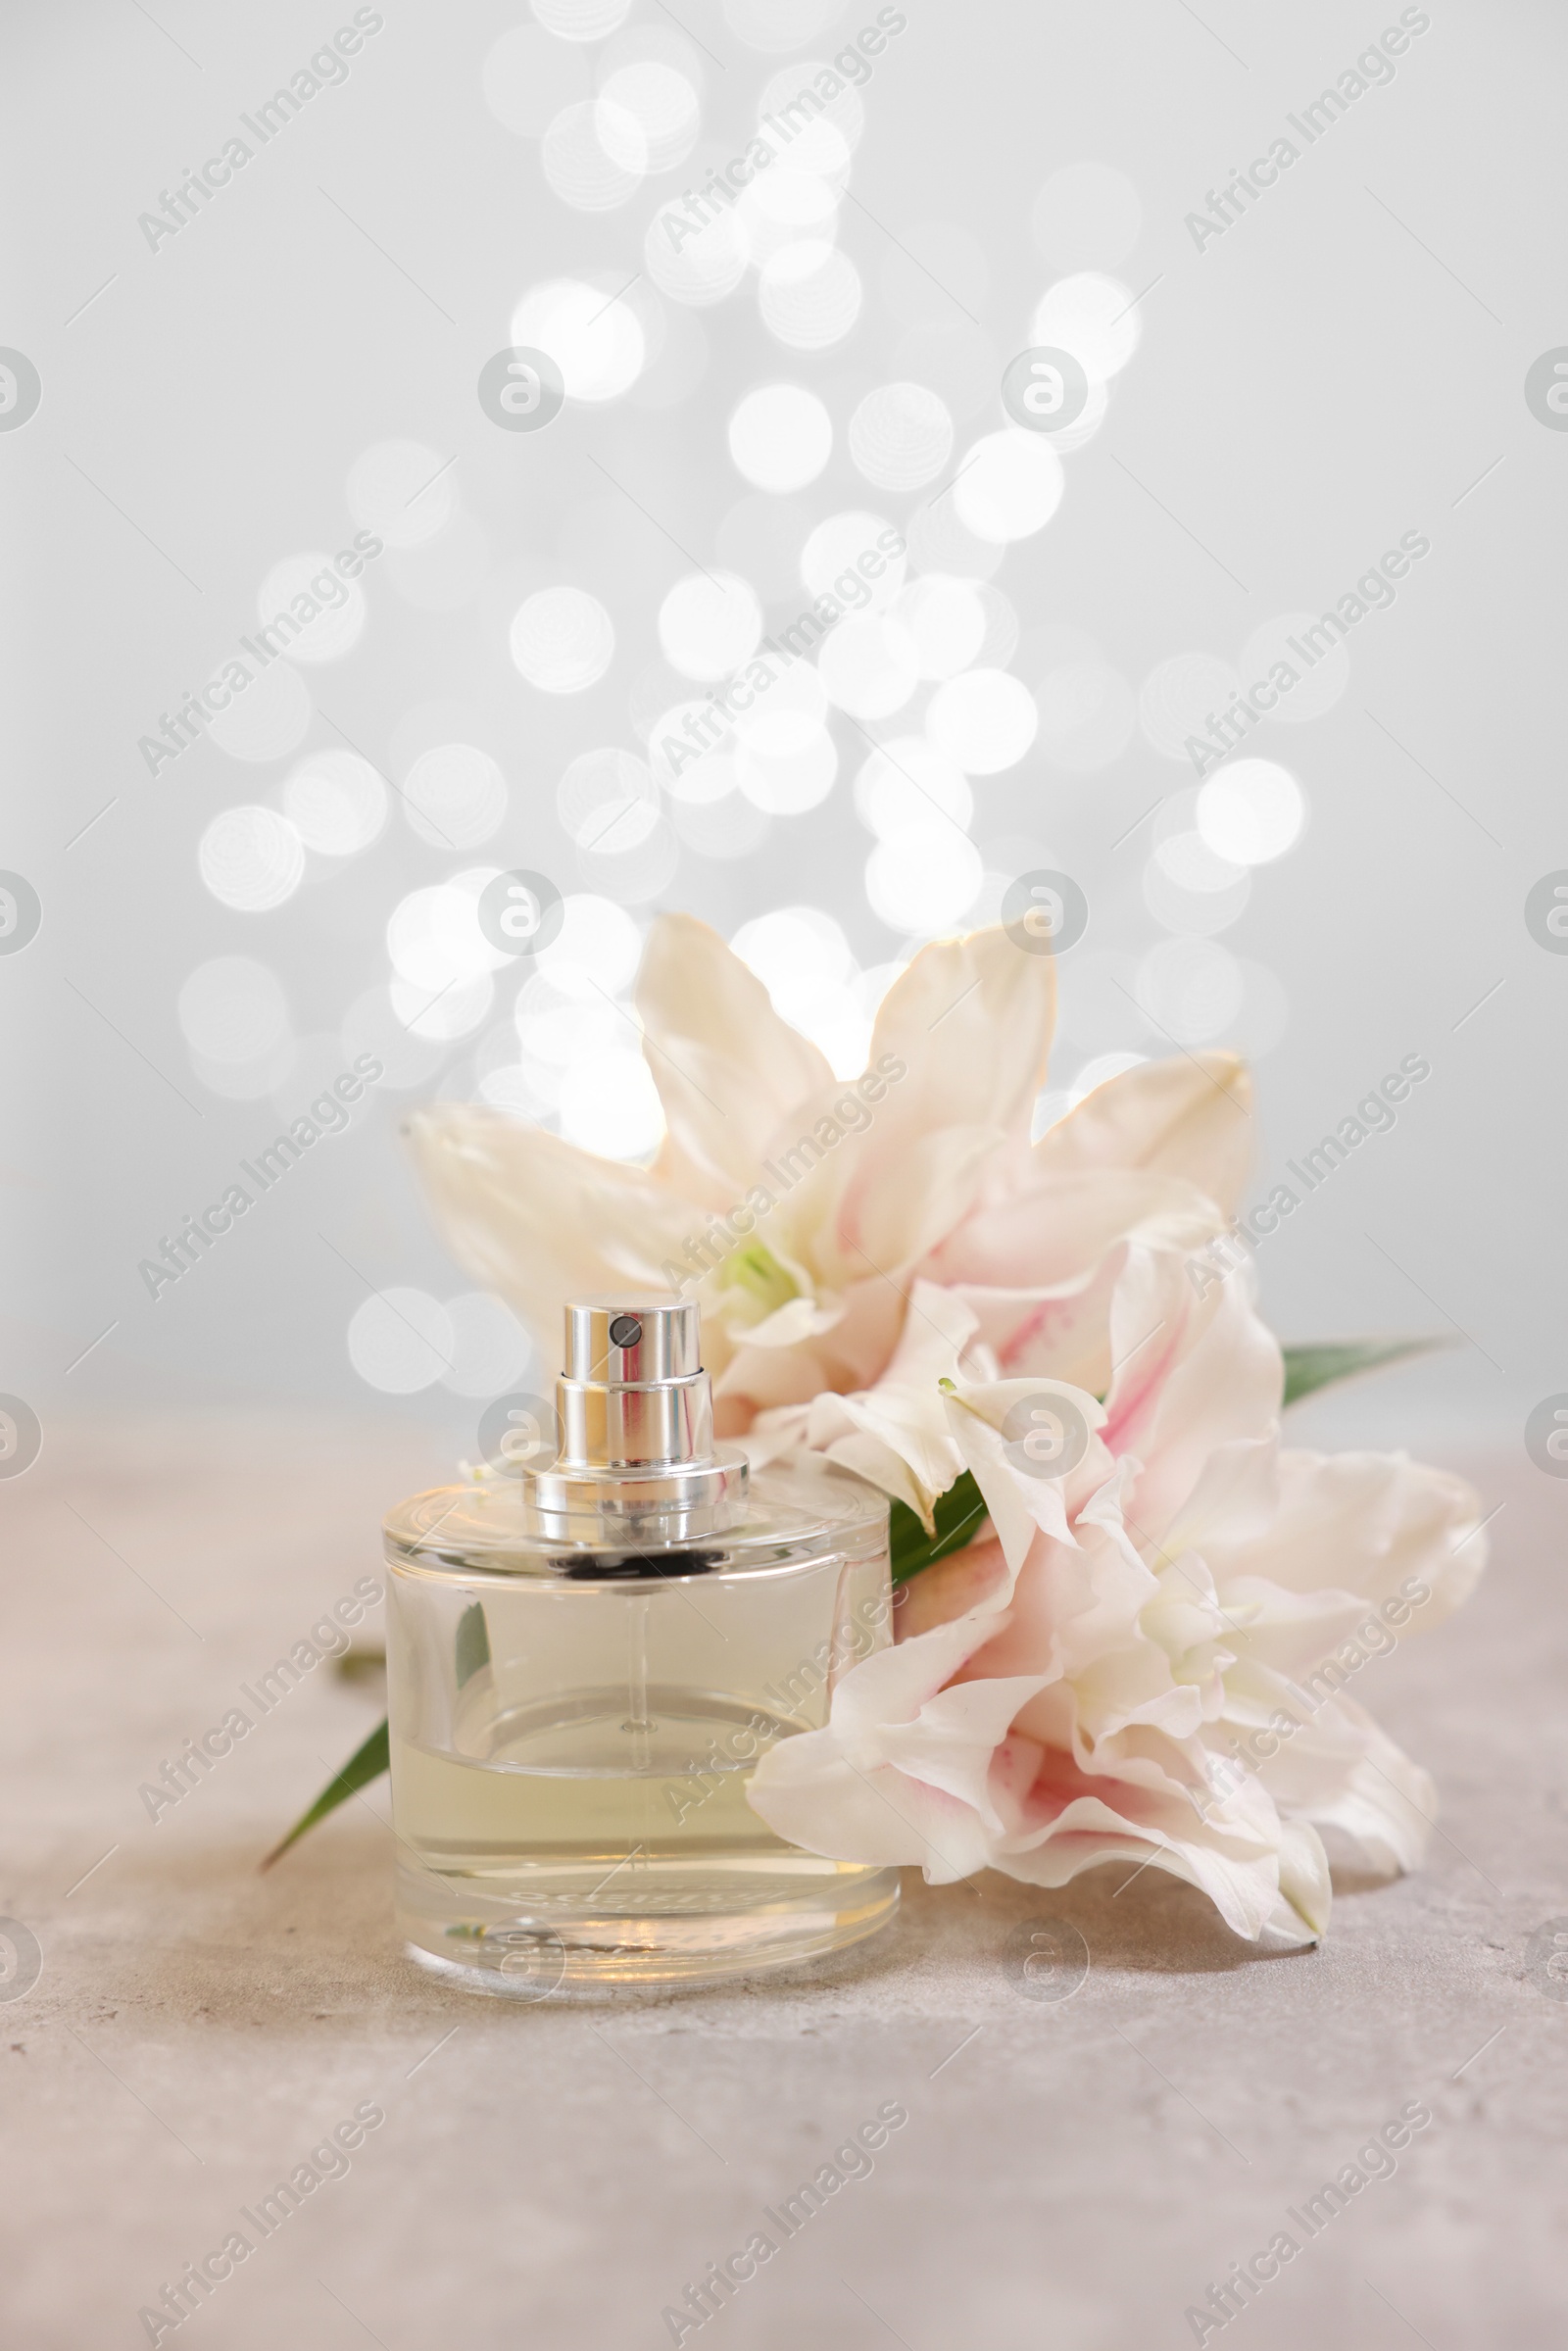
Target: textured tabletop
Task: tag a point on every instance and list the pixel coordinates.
(1073, 2171)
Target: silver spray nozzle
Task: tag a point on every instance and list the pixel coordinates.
(636, 1415)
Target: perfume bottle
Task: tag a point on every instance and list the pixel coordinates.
(589, 1648)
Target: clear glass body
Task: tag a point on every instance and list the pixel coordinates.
(574, 1728)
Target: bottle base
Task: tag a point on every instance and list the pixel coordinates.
(546, 1939)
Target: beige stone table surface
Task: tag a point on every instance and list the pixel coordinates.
(1073, 2174)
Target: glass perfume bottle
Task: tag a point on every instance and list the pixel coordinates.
(589, 1648)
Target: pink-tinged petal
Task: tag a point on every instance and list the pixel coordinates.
(807, 1792)
(1343, 1773)
(1385, 1811)
(1292, 1633)
(895, 1684)
(1365, 1524)
(727, 1068)
(853, 1354)
(1191, 1116)
(925, 1760)
(900, 1772)
(1060, 1335)
(1192, 1373)
(1236, 1499)
(954, 1585)
(950, 1744)
(1235, 1862)
(956, 1058)
(1069, 1605)
(539, 1220)
(972, 1020)
(800, 1320)
(883, 1466)
(896, 1434)
(1049, 1234)
(1018, 1502)
(866, 1208)
(774, 1435)
(1040, 1265)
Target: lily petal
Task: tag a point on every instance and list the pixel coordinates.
(972, 1018)
(1192, 1373)
(727, 1068)
(539, 1220)
(1189, 1116)
(960, 1046)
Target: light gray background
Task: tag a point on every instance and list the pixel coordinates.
(1306, 389)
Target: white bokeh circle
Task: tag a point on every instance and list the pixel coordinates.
(598, 947)
(1009, 485)
(607, 800)
(947, 621)
(335, 802)
(609, 1104)
(909, 787)
(1251, 811)
(810, 294)
(786, 717)
(594, 156)
(400, 1341)
(985, 720)
(454, 796)
(251, 858)
(591, 333)
(786, 783)
(786, 206)
(925, 883)
(867, 665)
(490, 1349)
(1191, 988)
(849, 543)
(562, 640)
(900, 436)
(710, 623)
(781, 437)
(581, 19)
(662, 103)
(1093, 316)
(820, 137)
(692, 261)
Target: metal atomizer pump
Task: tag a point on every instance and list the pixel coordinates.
(636, 1462)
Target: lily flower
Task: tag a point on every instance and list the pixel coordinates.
(803, 1211)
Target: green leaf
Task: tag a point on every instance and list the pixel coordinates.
(473, 1648)
(1311, 1367)
(959, 1514)
(368, 1764)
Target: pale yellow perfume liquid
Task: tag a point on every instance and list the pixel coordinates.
(620, 1843)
